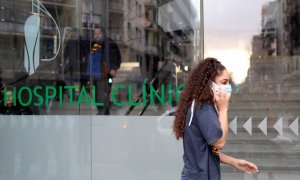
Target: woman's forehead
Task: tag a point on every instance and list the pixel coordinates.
(223, 75)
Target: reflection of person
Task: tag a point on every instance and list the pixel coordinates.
(201, 121)
(72, 57)
(10, 108)
(71, 63)
(102, 67)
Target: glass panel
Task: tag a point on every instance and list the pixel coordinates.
(157, 41)
(40, 57)
(45, 147)
(55, 63)
(258, 42)
(40, 54)
(135, 148)
(53, 60)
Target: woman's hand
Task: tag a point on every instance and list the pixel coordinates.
(222, 100)
(245, 166)
(240, 164)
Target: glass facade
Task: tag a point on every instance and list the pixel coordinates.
(257, 42)
(53, 97)
(48, 44)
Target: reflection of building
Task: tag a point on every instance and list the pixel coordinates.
(272, 87)
(280, 28)
(287, 27)
(288, 19)
(142, 36)
(150, 32)
(269, 28)
(275, 52)
(179, 19)
(257, 47)
(13, 17)
(266, 44)
(140, 27)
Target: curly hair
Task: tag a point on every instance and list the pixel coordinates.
(198, 87)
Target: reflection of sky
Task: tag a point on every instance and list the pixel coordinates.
(196, 4)
(178, 15)
(229, 27)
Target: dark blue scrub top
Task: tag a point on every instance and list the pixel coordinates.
(200, 163)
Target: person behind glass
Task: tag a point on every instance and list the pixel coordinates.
(72, 58)
(102, 69)
(201, 121)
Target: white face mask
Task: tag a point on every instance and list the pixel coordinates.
(226, 88)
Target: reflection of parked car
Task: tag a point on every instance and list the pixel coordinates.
(161, 126)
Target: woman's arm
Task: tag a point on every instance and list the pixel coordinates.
(222, 101)
(220, 143)
(240, 164)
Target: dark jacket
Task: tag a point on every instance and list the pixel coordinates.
(72, 53)
(114, 56)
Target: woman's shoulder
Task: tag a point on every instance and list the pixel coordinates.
(205, 106)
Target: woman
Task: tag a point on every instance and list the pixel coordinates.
(201, 121)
